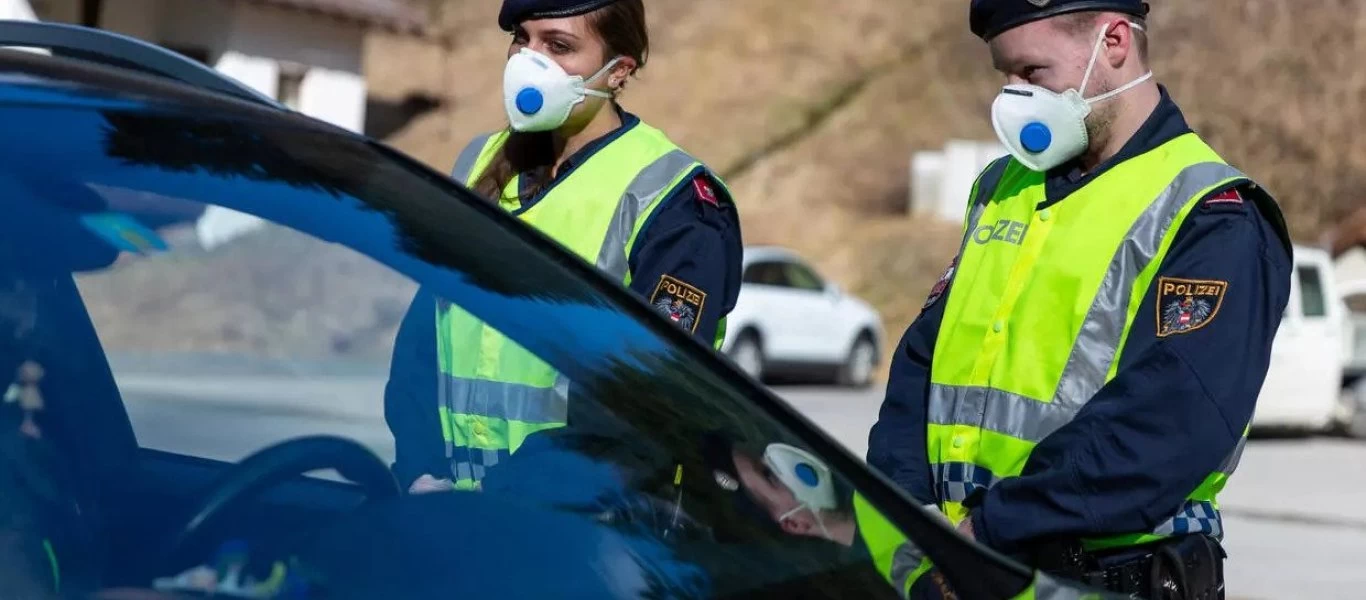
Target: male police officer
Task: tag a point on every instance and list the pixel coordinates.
(1078, 385)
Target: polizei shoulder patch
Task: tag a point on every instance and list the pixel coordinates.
(680, 301)
(1185, 305)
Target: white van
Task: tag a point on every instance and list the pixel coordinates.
(1303, 388)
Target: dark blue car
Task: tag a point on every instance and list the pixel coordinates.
(199, 296)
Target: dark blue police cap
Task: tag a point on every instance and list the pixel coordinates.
(988, 18)
(516, 11)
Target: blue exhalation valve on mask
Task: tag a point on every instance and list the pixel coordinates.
(1036, 137)
(530, 101)
(807, 474)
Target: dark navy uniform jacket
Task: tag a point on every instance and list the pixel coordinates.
(693, 237)
(1172, 415)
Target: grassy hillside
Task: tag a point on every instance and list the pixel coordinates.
(812, 110)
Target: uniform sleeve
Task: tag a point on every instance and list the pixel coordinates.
(1188, 380)
(687, 261)
(896, 443)
(410, 396)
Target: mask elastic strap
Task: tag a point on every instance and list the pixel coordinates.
(1121, 89)
(587, 91)
(1095, 53)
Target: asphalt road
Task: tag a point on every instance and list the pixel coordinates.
(1295, 510)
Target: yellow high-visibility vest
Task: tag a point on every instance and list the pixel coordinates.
(1041, 304)
(495, 393)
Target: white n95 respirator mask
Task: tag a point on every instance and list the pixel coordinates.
(1042, 128)
(538, 94)
(806, 477)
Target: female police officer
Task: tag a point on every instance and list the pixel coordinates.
(609, 187)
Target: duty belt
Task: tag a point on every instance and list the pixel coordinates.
(1185, 567)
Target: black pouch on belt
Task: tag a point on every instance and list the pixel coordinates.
(1190, 566)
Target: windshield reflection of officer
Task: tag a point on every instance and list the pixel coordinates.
(611, 188)
(792, 488)
(798, 492)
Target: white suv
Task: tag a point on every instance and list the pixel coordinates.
(789, 320)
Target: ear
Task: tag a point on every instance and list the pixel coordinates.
(793, 526)
(621, 72)
(1120, 43)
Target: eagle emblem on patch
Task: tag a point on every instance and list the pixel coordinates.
(681, 302)
(1185, 305)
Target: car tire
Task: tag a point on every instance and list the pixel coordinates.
(748, 354)
(857, 370)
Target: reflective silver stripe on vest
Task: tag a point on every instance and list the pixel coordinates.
(464, 164)
(476, 469)
(994, 410)
(1231, 463)
(647, 186)
(1098, 341)
(905, 561)
(508, 401)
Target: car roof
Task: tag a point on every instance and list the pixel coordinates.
(30, 78)
(110, 49)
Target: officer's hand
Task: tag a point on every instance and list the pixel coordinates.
(965, 528)
(427, 484)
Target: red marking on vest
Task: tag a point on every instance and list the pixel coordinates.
(704, 191)
(1226, 197)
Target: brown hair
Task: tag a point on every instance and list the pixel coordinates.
(621, 26)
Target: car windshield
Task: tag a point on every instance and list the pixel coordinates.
(180, 292)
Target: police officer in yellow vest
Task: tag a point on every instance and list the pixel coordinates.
(1077, 388)
(607, 186)
(799, 493)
